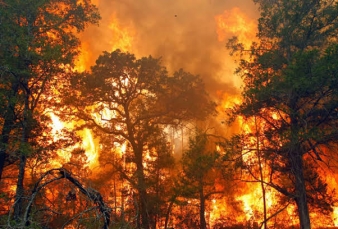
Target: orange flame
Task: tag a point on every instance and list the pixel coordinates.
(236, 23)
(88, 143)
(232, 22)
(121, 37)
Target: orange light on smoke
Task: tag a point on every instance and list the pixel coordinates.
(83, 60)
(236, 23)
(115, 35)
(121, 36)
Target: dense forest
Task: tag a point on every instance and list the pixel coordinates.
(132, 143)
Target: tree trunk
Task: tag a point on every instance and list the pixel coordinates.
(303, 211)
(20, 191)
(2, 158)
(142, 192)
(261, 173)
(167, 215)
(26, 130)
(264, 201)
(7, 126)
(296, 165)
(144, 209)
(203, 224)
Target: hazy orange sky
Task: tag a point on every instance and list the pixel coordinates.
(188, 34)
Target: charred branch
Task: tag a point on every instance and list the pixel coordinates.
(61, 173)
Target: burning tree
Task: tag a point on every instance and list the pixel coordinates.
(199, 173)
(133, 100)
(38, 44)
(291, 85)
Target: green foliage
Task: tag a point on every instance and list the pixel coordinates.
(132, 101)
(38, 42)
(38, 45)
(198, 160)
(199, 165)
(291, 86)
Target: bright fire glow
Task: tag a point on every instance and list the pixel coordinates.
(122, 36)
(88, 143)
(237, 23)
(57, 125)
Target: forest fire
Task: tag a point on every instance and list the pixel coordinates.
(122, 37)
(89, 145)
(236, 23)
(64, 155)
(153, 129)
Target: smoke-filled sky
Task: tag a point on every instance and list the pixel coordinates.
(188, 34)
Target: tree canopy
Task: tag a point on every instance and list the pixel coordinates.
(291, 85)
(38, 45)
(139, 116)
(134, 100)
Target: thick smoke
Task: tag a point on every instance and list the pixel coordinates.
(182, 32)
